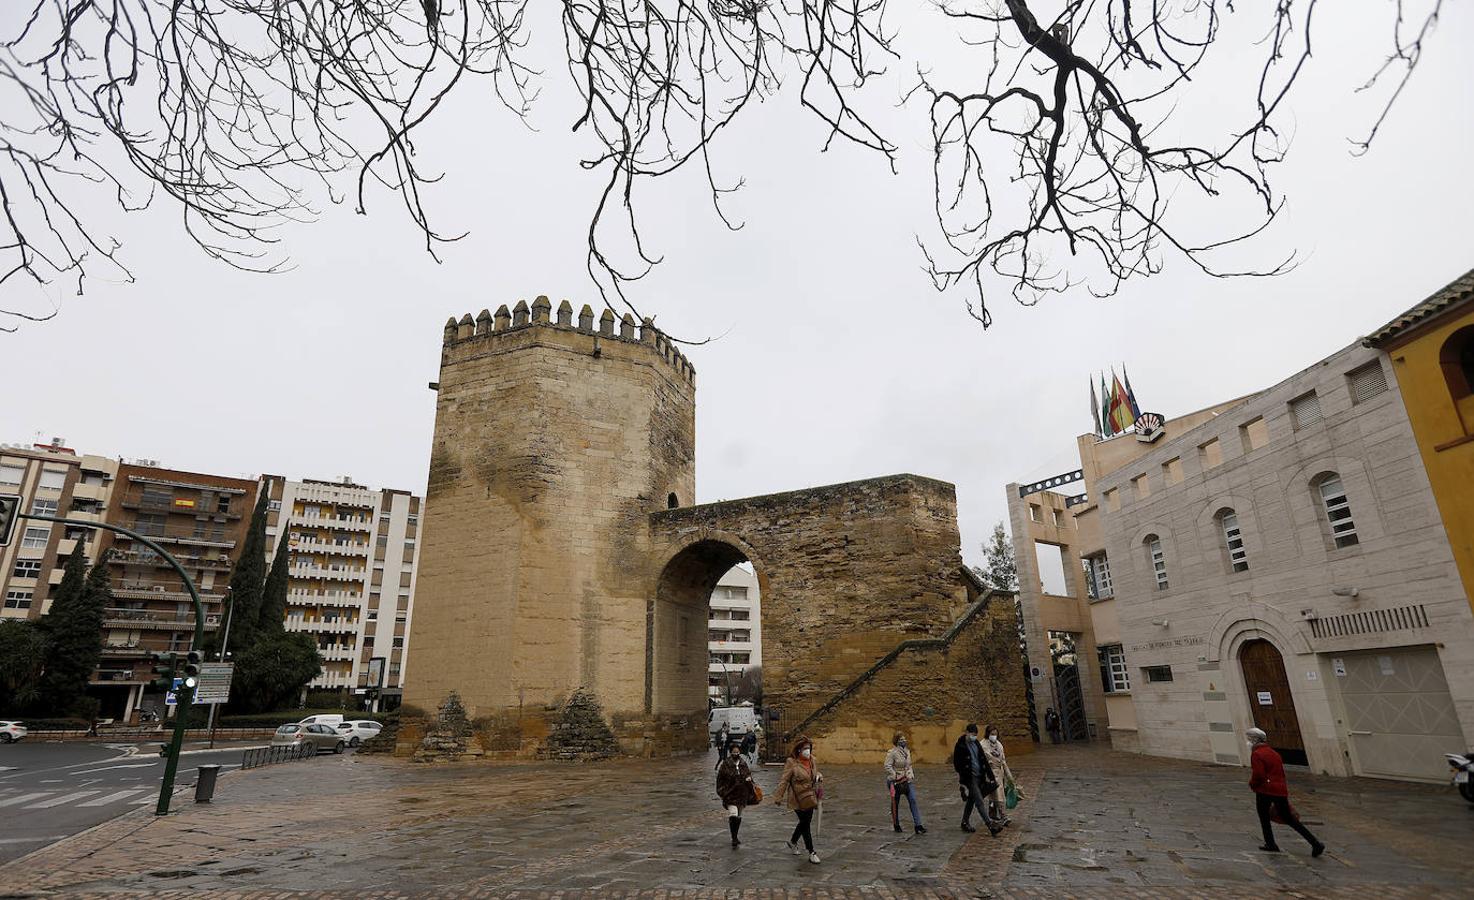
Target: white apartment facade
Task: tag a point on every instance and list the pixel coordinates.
(354, 555)
(734, 631)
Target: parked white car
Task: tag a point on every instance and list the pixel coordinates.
(359, 730)
(11, 732)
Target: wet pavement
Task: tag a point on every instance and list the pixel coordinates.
(1094, 824)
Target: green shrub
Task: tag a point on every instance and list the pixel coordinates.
(55, 724)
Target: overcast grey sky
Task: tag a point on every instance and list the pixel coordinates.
(837, 360)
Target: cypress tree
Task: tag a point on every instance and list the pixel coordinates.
(74, 631)
(272, 620)
(248, 581)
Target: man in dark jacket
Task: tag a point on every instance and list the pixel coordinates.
(976, 778)
(1272, 792)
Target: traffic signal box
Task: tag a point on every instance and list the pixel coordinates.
(165, 665)
(9, 513)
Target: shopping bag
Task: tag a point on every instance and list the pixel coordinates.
(1010, 795)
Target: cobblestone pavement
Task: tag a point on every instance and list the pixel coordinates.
(1094, 824)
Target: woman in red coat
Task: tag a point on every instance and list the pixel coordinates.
(1267, 781)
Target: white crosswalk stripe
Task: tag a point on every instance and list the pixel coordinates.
(23, 798)
(112, 798)
(58, 801)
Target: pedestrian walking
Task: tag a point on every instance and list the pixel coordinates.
(719, 742)
(749, 746)
(999, 763)
(1272, 793)
(900, 781)
(976, 778)
(800, 786)
(736, 789)
(1051, 725)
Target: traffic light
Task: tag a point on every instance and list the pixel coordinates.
(164, 665)
(191, 673)
(9, 513)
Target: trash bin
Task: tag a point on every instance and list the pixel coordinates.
(204, 788)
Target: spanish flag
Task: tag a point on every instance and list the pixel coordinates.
(1122, 416)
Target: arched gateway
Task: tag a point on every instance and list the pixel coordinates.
(555, 555)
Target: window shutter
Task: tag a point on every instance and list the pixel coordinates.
(1367, 382)
(1305, 410)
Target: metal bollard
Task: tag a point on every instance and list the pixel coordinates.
(204, 788)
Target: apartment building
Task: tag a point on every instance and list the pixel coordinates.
(44, 476)
(1276, 561)
(201, 520)
(354, 552)
(734, 631)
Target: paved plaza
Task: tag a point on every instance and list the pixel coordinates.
(1094, 824)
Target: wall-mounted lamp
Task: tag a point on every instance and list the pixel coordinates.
(1351, 592)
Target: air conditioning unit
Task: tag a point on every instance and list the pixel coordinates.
(160, 589)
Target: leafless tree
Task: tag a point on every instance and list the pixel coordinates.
(1058, 156)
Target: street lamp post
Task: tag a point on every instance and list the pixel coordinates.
(185, 695)
(224, 642)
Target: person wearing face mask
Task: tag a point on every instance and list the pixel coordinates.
(999, 763)
(976, 777)
(799, 785)
(735, 788)
(1272, 793)
(900, 780)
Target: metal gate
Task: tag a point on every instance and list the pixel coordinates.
(1072, 724)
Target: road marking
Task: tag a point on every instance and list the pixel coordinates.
(110, 798)
(143, 801)
(146, 765)
(58, 801)
(23, 798)
(32, 840)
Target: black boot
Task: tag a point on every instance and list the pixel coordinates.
(734, 823)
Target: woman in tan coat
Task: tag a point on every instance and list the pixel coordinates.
(799, 786)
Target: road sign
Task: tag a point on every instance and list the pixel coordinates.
(9, 512)
(214, 685)
(172, 697)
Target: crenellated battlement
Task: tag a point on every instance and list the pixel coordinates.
(489, 326)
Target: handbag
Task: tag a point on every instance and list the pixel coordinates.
(757, 795)
(1274, 814)
(1010, 795)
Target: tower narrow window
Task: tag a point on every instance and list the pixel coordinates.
(1338, 511)
(1233, 539)
(1158, 560)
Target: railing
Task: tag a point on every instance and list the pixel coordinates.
(113, 616)
(153, 559)
(265, 756)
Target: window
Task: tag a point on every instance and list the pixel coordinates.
(672, 501)
(1158, 673)
(222, 504)
(52, 480)
(35, 538)
(373, 615)
(1367, 382)
(1254, 434)
(41, 507)
(150, 524)
(1210, 454)
(1158, 560)
(1338, 512)
(1305, 411)
(12, 474)
(27, 568)
(1113, 675)
(1172, 471)
(1238, 557)
(401, 619)
(1100, 573)
(157, 496)
(399, 643)
(18, 599)
(414, 520)
(273, 505)
(1035, 514)
(1141, 487)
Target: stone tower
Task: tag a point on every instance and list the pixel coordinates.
(555, 439)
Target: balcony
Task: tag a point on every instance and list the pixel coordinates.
(156, 619)
(173, 592)
(346, 549)
(116, 676)
(335, 522)
(336, 654)
(136, 651)
(332, 574)
(147, 558)
(319, 626)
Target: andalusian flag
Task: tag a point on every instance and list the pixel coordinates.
(1121, 415)
(1105, 409)
(1094, 409)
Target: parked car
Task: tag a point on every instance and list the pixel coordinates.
(359, 730)
(11, 732)
(325, 719)
(320, 737)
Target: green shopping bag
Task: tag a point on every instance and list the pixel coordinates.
(1010, 795)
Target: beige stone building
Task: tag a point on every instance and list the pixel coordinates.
(1277, 560)
(353, 559)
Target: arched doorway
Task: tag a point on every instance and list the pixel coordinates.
(682, 622)
(1270, 701)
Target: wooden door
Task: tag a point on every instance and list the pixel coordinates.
(1270, 700)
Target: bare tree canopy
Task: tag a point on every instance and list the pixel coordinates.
(1061, 152)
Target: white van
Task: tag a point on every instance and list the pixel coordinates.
(738, 719)
(329, 719)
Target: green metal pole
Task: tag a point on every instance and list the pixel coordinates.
(186, 693)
